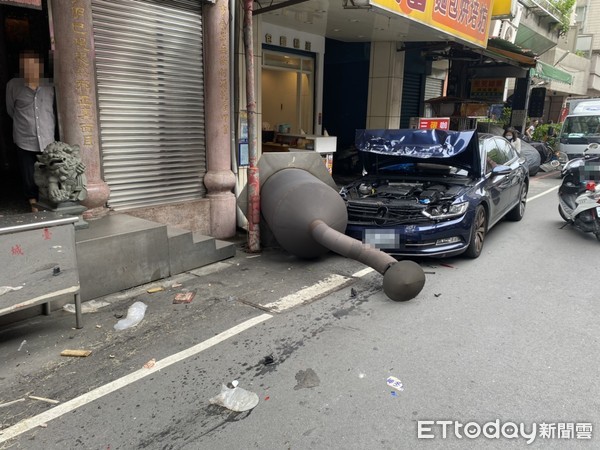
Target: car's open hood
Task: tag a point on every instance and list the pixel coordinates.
(452, 148)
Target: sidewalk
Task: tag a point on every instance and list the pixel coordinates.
(226, 293)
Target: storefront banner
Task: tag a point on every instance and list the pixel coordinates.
(550, 73)
(442, 123)
(488, 89)
(465, 19)
(36, 4)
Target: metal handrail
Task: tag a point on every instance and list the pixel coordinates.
(545, 5)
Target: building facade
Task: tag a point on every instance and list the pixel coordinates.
(586, 37)
(135, 92)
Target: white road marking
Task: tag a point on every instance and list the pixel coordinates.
(57, 411)
(543, 193)
(319, 289)
(363, 272)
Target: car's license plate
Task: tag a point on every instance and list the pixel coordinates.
(381, 238)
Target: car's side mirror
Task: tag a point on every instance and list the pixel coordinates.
(500, 170)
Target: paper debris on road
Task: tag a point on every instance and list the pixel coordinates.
(78, 353)
(395, 383)
(5, 289)
(184, 297)
(86, 307)
(4, 405)
(43, 399)
(150, 364)
(155, 289)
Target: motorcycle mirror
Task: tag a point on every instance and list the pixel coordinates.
(593, 146)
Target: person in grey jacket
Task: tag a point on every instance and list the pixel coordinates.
(30, 104)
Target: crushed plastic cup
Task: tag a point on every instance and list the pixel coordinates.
(235, 399)
(135, 314)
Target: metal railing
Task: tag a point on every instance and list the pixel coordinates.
(543, 8)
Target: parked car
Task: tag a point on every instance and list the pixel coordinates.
(433, 192)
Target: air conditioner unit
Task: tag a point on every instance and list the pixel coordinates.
(508, 31)
(495, 28)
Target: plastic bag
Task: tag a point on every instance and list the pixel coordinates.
(235, 399)
(135, 314)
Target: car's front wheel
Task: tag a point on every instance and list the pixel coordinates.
(478, 232)
(518, 211)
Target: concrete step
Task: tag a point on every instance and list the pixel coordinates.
(189, 250)
(118, 252)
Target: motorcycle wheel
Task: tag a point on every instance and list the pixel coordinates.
(597, 236)
(562, 213)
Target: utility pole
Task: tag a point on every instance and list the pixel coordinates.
(253, 175)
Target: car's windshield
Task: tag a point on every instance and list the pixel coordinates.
(581, 126)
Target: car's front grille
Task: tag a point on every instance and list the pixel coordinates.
(379, 214)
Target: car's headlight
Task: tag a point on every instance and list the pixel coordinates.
(446, 211)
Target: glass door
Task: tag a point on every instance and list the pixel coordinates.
(288, 91)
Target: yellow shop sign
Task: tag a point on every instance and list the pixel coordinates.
(465, 19)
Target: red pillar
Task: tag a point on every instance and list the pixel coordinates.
(253, 174)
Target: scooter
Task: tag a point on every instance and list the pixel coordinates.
(579, 193)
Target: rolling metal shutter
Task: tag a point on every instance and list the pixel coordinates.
(433, 87)
(411, 98)
(150, 85)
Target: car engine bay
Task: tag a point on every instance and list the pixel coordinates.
(385, 202)
(419, 193)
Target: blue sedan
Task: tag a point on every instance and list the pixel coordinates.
(433, 192)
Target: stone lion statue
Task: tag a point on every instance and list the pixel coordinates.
(59, 173)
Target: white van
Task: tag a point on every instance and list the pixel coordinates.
(581, 128)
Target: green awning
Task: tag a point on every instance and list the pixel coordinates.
(550, 73)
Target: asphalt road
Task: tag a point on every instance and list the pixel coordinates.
(511, 337)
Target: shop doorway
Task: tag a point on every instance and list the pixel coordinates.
(21, 28)
(288, 91)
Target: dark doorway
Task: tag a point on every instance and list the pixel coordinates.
(20, 29)
(345, 95)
